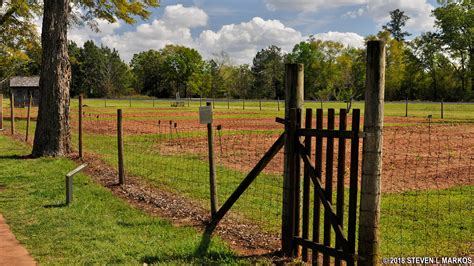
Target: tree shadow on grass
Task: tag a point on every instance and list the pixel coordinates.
(16, 157)
(53, 206)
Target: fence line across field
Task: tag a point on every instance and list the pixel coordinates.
(427, 173)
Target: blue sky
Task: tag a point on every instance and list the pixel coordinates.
(241, 28)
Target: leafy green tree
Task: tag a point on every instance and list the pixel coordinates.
(455, 22)
(146, 67)
(425, 49)
(52, 136)
(268, 71)
(20, 50)
(118, 77)
(74, 52)
(179, 64)
(396, 24)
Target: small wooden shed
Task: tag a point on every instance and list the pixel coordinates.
(22, 87)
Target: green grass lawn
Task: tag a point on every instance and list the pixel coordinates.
(97, 228)
(423, 223)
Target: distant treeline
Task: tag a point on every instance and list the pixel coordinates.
(433, 66)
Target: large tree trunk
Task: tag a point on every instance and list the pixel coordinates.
(53, 136)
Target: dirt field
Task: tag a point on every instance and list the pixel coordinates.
(417, 155)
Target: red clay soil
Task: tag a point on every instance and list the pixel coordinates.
(150, 123)
(11, 251)
(414, 158)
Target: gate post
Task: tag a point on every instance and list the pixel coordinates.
(294, 90)
(369, 241)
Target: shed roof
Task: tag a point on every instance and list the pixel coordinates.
(16, 82)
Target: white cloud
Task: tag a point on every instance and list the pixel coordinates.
(347, 38)
(189, 17)
(155, 35)
(242, 41)
(308, 5)
(83, 34)
(418, 10)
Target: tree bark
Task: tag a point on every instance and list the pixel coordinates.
(52, 135)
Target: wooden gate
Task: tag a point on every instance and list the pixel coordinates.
(331, 219)
(295, 235)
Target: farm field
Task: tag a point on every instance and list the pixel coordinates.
(427, 167)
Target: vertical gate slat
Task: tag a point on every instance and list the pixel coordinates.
(341, 159)
(306, 185)
(353, 188)
(328, 184)
(317, 203)
(297, 194)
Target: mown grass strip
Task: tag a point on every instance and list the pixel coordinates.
(97, 228)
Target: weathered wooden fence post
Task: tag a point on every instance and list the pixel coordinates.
(212, 167)
(442, 109)
(121, 170)
(294, 89)
(28, 116)
(369, 241)
(1, 111)
(12, 113)
(80, 127)
(406, 107)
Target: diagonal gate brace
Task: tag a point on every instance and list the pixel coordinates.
(274, 149)
(327, 205)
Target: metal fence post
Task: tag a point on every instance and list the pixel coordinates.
(294, 89)
(369, 241)
(121, 170)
